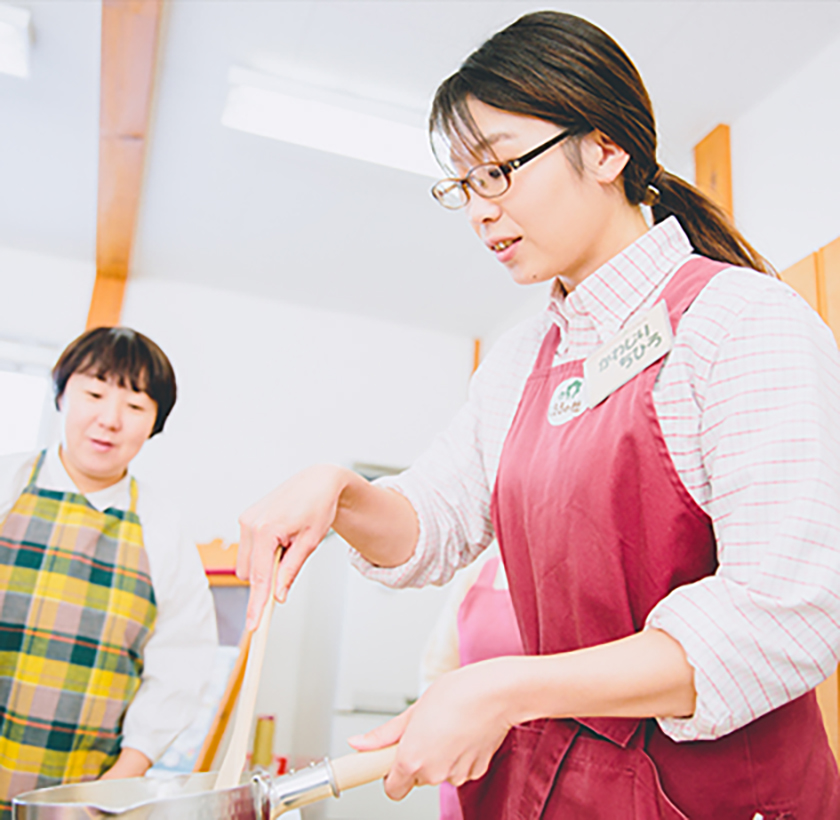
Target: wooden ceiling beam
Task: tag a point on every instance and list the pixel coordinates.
(130, 33)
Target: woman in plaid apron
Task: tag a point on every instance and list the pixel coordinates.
(77, 604)
(77, 610)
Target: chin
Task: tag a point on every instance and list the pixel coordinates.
(526, 278)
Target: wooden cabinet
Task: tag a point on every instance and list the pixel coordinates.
(802, 277)
(817, 279)
(828, 263)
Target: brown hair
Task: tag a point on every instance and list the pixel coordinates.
(125, 355)
(565, 70)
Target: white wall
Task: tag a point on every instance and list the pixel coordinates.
(265, 388)
(268, 388)
(786, 166)
(43, 298)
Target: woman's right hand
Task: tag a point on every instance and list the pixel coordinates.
(295, 517)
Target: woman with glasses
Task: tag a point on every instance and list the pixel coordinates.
(656, 453)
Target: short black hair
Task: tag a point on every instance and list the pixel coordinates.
(125, 355)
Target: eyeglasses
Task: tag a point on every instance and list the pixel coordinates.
(489, 179)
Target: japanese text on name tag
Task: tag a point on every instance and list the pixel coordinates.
(632, 349)
(628, 353)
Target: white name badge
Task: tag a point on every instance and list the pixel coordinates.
(627, 354)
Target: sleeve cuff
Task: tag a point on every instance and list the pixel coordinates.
(716, 713)
(415, 571)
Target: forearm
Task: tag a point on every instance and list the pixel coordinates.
(643, 675)
(380, 523)
(130, 763)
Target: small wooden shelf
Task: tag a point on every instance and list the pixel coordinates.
(219, 560)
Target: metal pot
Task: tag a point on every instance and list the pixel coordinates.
(191, 796)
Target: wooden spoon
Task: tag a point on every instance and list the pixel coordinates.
(234, 760)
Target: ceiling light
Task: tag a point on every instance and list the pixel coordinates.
(15, 37)
(261, 105)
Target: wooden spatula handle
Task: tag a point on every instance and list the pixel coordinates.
(362, 767)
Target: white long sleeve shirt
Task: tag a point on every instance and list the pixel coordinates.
(749, 405)
(179, 654)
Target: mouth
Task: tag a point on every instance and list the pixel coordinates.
(502, 245)
(101, 445)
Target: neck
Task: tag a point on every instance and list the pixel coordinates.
(625, 226)
(85, 482)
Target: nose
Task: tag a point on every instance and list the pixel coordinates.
(480, 211)
(110, 412)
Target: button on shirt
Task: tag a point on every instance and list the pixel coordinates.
(179, 654)
(749, 405)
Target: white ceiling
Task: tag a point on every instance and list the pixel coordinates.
(231, 210)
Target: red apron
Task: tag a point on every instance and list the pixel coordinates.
(596, 528)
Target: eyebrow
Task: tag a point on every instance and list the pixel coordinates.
(489, 142)
(499, 137)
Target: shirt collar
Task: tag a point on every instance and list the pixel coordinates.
(54, 476)
(609, 296)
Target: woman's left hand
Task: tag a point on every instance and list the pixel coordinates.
(452, 732)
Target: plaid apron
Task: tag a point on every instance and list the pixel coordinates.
(76, 610)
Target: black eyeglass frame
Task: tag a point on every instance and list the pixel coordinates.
(507, 168)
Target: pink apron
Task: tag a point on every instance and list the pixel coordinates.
(595, 528)
(487, 628)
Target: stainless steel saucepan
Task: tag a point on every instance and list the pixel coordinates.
(191, 796)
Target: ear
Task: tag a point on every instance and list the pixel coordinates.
(603, 158)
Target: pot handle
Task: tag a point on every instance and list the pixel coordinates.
(362, 767)
(327, 779)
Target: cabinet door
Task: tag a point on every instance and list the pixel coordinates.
(817, 279)
(802, 277)
(829, 263)
(827, 697)
(829, 269)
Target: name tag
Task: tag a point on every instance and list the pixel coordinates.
(628, 354)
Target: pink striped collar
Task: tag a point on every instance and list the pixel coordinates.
(610, 296)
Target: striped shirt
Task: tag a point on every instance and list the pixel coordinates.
(749, 405)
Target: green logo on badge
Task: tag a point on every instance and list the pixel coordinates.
(568, 401)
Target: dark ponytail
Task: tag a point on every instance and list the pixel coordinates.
(563, 69)
(707, 226)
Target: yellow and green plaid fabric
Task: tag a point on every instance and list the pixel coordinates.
(76, 610)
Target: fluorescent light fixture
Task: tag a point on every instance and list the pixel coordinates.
(15, 38)
(256, 107)
(27, 355)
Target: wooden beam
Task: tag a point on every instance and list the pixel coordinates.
(130, 30)
(713, 167)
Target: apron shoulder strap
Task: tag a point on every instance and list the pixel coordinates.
(132, 495)
(36, 469)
